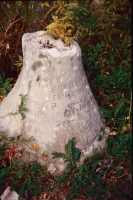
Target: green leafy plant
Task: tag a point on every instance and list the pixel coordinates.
(25, 178)
(99, 175)
(21, 108)
(71, 155)
(60, 28)
(68, 20)
(5, 84)
(19, 63)
(119, 146)
(107, 60)
(92, 179)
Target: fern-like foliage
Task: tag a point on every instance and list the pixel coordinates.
(71, 155)
(22, 107)
(61, 28)
(68, 20)
(5, 84)
(119, 106)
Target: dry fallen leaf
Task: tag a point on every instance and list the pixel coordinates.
(98, 169)
(127, 118)
(124, 129)
(113, 133)
(17, 155)
(46, 197)
(53, 171)
(35, 147)
(129, 126)
(111, 105)
(44, 156)
(7, 45)
(1, 98)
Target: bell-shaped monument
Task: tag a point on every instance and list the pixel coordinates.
(59, 100)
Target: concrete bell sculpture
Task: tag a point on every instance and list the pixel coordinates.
(60, 102)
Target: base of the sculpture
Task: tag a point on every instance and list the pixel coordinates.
(58, 164)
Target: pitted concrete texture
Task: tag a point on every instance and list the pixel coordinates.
(59, 99)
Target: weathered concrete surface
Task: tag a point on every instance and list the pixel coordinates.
(59, 99)
(9, 195)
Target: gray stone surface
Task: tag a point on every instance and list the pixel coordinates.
(59, 99)
(9, 195)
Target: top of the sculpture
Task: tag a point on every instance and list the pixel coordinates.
(59, 99)
(49, 45)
